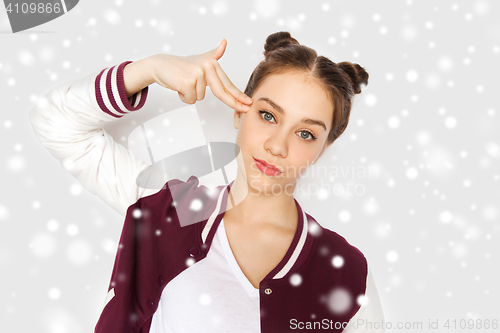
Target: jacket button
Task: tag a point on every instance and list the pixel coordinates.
(160, 280)
(193, 252)
(150, 304)
(268, 291)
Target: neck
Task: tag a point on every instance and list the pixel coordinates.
(248, 206)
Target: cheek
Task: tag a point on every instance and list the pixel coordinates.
(304, 155)
(245, 140)
(249, 130)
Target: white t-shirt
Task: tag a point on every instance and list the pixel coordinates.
(216, 290)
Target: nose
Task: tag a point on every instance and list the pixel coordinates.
(277, 145)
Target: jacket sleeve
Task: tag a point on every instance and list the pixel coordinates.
(68, 122)
(370, 316)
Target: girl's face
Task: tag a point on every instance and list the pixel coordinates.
(287, 126)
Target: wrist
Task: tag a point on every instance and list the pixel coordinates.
(137, 76)
(149, 69)
(150, 65)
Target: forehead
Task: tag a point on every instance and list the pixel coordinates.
(296, 93)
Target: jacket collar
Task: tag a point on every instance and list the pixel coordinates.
(297, 252)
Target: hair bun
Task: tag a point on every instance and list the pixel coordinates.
(278, 40)
(357, 74)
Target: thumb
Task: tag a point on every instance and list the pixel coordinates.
(218, 51)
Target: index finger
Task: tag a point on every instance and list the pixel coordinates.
(238, 94)
(225, 94)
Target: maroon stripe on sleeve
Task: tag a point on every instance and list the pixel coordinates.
(109, 90)
(123, 94)
(100, 102)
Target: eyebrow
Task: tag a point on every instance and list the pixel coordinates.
(280, 110)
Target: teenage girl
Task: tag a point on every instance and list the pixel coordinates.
(264, 265)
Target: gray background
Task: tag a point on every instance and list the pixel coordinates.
(427, 222)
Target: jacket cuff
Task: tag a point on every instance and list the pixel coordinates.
(110, 92)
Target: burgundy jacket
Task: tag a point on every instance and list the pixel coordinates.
(154, 248)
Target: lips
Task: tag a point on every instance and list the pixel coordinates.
(268, 165)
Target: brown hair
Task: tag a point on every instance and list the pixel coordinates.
(341, 80)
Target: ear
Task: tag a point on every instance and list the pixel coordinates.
(237, 119)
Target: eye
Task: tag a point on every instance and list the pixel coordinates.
(310, 135)
(268, 115)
